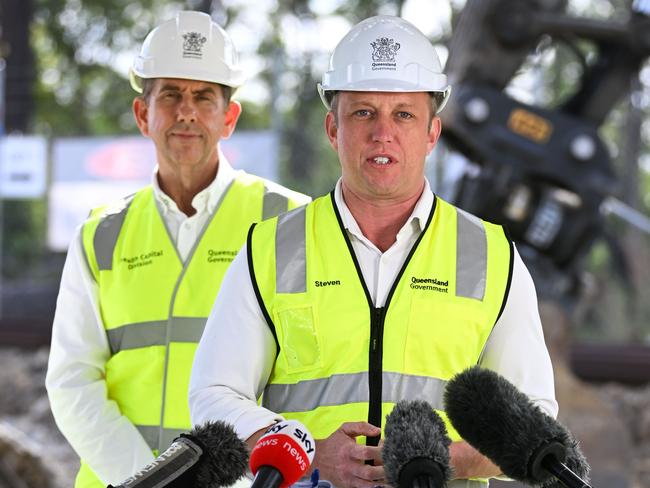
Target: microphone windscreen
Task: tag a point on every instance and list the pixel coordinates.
(225, 455)
(501, 422)
(414, 432)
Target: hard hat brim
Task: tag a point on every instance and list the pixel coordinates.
(443, 95)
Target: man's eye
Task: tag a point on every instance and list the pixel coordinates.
(405, 115)
(362, 113)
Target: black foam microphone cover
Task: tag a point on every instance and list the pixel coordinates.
(501, 422)
(416, 447)
(225, 455)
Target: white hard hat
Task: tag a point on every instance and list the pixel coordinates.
(388, 54)
(190, 47)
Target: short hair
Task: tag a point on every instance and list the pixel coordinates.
(332, 98)
(148, 84)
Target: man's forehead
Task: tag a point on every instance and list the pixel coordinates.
(393, 98)
(186, 85)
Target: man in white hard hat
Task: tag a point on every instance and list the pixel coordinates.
(142, 273)
(378, 292)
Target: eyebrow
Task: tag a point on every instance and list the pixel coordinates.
(399, 106)
(205, 91)
(176, 88)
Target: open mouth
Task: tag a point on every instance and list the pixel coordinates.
(381, 160)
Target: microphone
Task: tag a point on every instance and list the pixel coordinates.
(282, 455)
(501, 422)
(416, 447)
(209, 456)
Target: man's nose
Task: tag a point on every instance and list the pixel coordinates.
(383, 129)
(186, 111)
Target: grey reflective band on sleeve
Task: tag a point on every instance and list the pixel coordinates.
(106, 234)
(471, 256)
(156, 439)
(273, 204)
(291, 252)
(154, 333)
(342, 389)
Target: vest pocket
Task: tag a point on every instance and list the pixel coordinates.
(443, 337)
(299, 339)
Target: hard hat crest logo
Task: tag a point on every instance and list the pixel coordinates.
(383, 54)
(193, 45)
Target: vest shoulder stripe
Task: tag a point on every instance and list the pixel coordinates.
(107, 233)
(273, 203)
(291, 252)
(471, 256)
(341, 389)
(256, 289)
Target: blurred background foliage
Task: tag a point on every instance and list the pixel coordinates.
(66, 76)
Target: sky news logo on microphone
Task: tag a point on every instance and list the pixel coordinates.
(303, 454)
(282, 455)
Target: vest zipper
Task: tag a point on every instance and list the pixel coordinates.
(377, 319)
(375, 355)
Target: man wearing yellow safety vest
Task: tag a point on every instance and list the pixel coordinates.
(142, 273)
(378, 292)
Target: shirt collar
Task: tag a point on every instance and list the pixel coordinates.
(208, 198)
(419, 216)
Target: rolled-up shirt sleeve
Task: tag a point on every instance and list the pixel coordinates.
(234, 358)
(516, 349)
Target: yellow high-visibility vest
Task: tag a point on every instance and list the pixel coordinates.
(342, 359)
(154, 306)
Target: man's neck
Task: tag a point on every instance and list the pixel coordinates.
(380, 221)
(182, 186)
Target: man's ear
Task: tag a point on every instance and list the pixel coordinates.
(230, 121)
(332, 130)
(434, 133)
(140, 112)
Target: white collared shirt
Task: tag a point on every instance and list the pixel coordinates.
(93, 425)
(380, 269)
(236, 354)
(182, 229)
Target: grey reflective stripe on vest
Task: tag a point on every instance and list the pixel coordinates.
(291, 253)
(156, 439)
(106, 234)
(108, 229)
(154, 333)
(273, 204)
(471, 256)
(341, 389)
